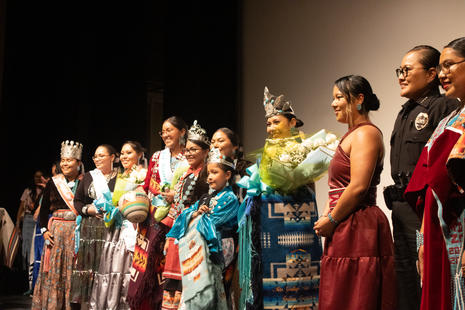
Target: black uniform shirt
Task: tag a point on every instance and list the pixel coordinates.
(414, 126)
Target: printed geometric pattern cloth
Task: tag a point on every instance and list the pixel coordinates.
(291, 252)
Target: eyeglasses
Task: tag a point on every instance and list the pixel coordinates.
(445, 67)
(192, 151)
(100, 157)
(168, 131)
(404, 71)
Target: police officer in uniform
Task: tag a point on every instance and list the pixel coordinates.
(415, 123)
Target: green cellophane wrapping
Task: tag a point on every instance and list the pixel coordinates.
(286, 165)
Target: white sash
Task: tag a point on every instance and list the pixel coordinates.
(100, 183)
(166, 175)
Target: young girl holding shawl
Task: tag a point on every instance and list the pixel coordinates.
(112, 280)
(52, 290)
(191, 186)
(90, 227)
(203, 232)
(146, 286)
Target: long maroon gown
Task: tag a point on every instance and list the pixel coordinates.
(357, 267)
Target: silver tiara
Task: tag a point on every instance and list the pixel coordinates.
(215, 156)
(71, 150)
(272, 104)
(197, 133)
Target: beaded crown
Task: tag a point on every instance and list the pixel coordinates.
(197, 133)
(215, 156)
(276, 105)
(70, 149)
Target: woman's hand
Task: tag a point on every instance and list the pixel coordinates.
(324, 228)
(140, 189)
(169, 196)
(202, 209)
(421, 262)
(36, 214)
(92, 211)
(167, 244)
(43, 181)
(48, 236)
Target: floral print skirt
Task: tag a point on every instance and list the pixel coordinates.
(52, 288)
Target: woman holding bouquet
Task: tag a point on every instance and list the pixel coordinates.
(112, 280)
(191, 186)
(90, 228)
(52, 290)
(357, 267)
(146, 285)
(286, 251)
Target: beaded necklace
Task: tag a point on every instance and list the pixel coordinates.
(180, 197)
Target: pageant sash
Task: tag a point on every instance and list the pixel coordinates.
(100, 183)
(166, 175)
(65, 192)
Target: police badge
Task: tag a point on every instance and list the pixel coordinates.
(421, 121)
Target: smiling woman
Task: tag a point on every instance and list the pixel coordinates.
(53, 284)
(188, 190)
(436, 192)
(358, 245)
(91, 230)
(146, 285)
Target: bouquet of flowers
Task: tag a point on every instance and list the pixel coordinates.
(289, 163)
(128, 181)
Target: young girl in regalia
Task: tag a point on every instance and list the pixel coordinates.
(203, 232)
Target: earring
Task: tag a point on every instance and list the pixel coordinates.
(234, 152)
(111, 165)
(182, 141)
(292, 129)
(79, 168)
(227, 183)
(359, 107)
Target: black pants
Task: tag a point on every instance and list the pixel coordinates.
(405, 222)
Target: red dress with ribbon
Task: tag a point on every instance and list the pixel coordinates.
(357, 267)
(436, 194)
(146, 286)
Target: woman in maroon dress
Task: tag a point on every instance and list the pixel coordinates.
(357, 267)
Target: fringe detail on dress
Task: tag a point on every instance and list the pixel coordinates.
(150, 292)
(256, 275)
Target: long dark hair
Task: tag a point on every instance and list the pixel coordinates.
(354, 85)
(241, 163)
(33, 187)
(138, 149)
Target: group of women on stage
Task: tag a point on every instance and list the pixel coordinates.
(222, 232)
